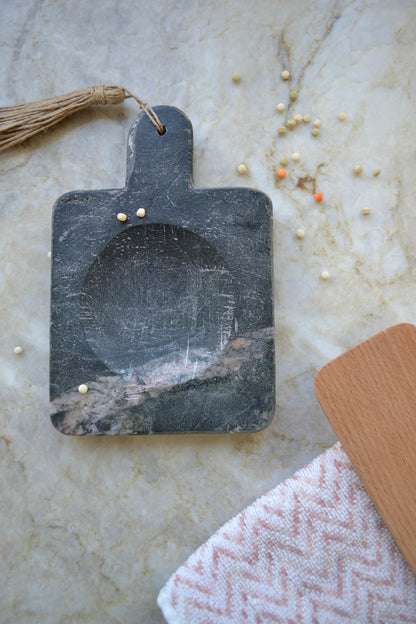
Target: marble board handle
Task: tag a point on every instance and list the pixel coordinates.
(369, 396)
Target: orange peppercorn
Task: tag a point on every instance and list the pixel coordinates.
(318, 197)
(281, 173)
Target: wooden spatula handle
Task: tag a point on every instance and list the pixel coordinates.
(369, 397)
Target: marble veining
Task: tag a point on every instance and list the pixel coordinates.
(136, 404)
(91, 528)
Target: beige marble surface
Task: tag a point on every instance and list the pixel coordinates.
(92, 528)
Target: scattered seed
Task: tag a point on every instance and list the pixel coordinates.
(141, 212)
(296, 156)
(325, 275)
(236, 77)
(83, 389)
(122, 217)
(318, 197)
(297, 118)
(242, 169)
(281, 173)
(283, 161)
(280, 107)
(306, 118)
(342, 116)
(282, 130)
(376, 172)
(285, 75)
(18, 350)
(357, 169)
(291, 124)
(293, 95)
(300, 234)
(316, 132)
(365, 211)
(317, 123)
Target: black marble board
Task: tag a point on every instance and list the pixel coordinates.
(166, 318)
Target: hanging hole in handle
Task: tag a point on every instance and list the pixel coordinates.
(163, 131)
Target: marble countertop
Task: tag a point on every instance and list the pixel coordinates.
(92, 528)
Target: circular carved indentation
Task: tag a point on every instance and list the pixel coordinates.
(157, 303)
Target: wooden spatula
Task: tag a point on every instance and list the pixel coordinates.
(369, 397)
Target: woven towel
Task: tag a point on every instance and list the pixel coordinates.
(313, 550)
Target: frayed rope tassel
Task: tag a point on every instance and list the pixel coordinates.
(18, 123)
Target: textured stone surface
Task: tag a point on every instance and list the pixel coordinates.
(167, 318)
(93, 526)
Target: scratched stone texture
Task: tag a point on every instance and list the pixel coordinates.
(166, 318)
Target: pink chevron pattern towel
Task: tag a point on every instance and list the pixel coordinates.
(312, 551)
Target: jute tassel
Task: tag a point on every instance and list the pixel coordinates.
(22, 121)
